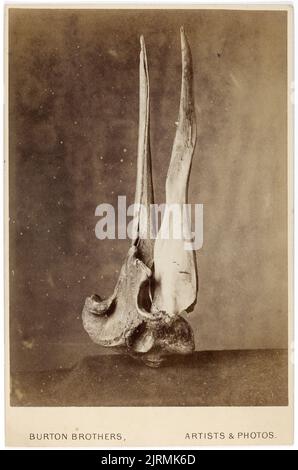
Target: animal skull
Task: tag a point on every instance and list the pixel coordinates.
(158, 281)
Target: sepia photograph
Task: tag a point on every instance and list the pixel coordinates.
(148, 208)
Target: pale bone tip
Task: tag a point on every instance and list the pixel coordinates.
(142, 42)
(183, 38)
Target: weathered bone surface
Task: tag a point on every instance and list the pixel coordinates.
(156, 282)
(151, 343)
(175, 268)
(109, 322)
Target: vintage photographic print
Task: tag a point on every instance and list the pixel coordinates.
(148, 223)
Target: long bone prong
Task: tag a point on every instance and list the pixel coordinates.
(185, 138)
(144, 186)
(111, 321)
(175, 267)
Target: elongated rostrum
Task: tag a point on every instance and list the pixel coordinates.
(157, 283)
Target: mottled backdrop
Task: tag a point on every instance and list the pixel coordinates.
(73, 116)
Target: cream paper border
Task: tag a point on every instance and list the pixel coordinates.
(154, 426)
